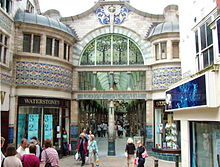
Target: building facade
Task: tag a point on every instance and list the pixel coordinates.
(72, 72)
(195, 99)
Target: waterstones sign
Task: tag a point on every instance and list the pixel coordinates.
(111, 96)
(30, 101)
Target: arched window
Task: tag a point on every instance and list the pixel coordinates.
(111, 49)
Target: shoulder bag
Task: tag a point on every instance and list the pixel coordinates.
(48, 164)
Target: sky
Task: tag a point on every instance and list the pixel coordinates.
(74, 7)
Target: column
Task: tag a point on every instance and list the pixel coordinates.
(169, 50)
(94, 80)
(129, 80)
(74, 128)
(111, 129)
(111, 80)
(149, 125)
(185, 143)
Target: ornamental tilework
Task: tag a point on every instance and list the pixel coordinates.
(43, 75)
(5, 78)
(166, 76)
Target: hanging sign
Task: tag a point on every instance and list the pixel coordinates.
(32, 125)
(48, 127)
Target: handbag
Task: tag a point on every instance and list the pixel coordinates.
(136, 161)
(94, 151)
(144, 154)
(48, 164)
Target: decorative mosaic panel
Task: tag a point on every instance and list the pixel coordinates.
(5, 78)
(5, 22)
(43, 75)
(164, 77)
(120, 13)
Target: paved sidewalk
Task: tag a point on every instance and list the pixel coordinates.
(112, 161)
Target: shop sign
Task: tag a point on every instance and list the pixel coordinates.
(189, 94)
(159, 103)
(32, 125)
(48, 126)
(30, 101)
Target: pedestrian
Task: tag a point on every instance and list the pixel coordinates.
(130, 150)
(49, 155)
(105, 127)
(11, 159)
(140, 150)
(82, 147)
(2, 144)
(64, 141)
(23, 148)
(30, 160)
(93, 150)
(35, 141)
(99, 130)
(85, 132)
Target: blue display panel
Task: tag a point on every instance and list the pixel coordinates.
(190, 94)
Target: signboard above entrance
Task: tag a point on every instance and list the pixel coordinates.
(112, 96)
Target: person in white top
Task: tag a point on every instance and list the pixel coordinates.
(23, 148)
(11, 160)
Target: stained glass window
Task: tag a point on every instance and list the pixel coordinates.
(111, 49)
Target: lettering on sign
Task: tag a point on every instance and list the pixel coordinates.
(41, 101)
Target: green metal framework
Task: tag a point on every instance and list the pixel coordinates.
(111, 49)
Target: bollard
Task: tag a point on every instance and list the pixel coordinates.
(155, 162)
(177, 161)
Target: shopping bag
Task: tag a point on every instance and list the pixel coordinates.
(77, 156)
(136, 161)
(126, 154)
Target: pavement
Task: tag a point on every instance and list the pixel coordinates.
(112, 161)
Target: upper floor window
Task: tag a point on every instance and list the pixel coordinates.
(218, 31)
(31, 43)
(66, 51)
(160, 50)
(30, 7)
(204, 46)
(53, 46)
(3, 47)
(111, 49)
(6, 5)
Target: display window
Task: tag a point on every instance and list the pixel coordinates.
(43, 118)
(205, 144)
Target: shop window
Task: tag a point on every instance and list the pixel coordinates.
(175, 47)
(3, 47)
(31, 43)
(204, 143)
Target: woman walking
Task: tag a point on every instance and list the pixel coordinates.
(11, 159)
(140, 150)
(82, 147)
(130, 150)
(49, 155)
(93, 150)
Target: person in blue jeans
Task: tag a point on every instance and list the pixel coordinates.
(140, 150)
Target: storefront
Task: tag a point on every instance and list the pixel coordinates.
(194, 103)
(44, 118)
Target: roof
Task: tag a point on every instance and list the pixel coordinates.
(32, 18)
(166, 27)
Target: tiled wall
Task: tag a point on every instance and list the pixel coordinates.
(163, 77)
(43, 75)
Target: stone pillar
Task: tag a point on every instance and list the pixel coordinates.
(169, 50)
(185, 143)
(129, 80)
(149, 125)
(111, 80)
(111, 129)
(94, 80)
(74, 128)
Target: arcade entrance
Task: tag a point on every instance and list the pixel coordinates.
(129, 116)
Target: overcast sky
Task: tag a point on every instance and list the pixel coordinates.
(74, 7)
